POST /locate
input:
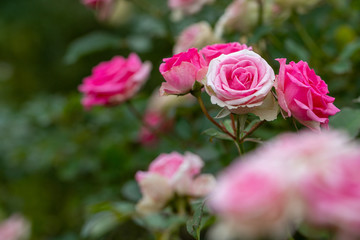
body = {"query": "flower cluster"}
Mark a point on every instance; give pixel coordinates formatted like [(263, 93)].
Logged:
[(240, 80), (306, 177)]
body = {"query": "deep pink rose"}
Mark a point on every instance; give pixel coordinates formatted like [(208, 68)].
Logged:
[(181, 71), (115, 81), (333, 195), (241, 82), (303, 94), (213, 51)]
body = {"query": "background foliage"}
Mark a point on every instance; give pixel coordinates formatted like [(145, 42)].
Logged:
[(59, 163)]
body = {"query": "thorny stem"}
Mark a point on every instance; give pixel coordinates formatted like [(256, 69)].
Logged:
[(202, 106)]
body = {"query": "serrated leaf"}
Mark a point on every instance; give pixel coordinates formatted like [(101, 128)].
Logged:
[(213, 133), (90, 43), (223, 113), (347, 119)]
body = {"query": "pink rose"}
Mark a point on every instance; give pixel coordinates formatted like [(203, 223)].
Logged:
[(196, 35), (14, 228), (115, 81), (213, 51), (181, 71), (252, 199), (333, 195), (241, 82), (177, 174), (303, 95), (158, 122)]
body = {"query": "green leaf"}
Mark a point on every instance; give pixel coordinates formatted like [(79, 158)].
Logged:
[(228, 125), (347, 119), (223, 113), (213, 133), (90, 43), (99, 224), (297, 49)]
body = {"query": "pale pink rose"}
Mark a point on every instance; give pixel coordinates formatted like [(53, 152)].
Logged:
[(187, 7), (115, 81), (181, 71), (14, 228), (176, 173), (303, 94), (196, 35), (333, 195), (241, 82), (213, 51), (253, 199)]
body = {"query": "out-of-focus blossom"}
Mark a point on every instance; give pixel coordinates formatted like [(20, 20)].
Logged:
[(157, 116), (241, 82), (169, 174), (213, 51), (181, 71), (102, 7), (333, 195), (14, 228), (121, 12), (196, 35), (309, 176), (303, 94), (186, 7), (115, 81)]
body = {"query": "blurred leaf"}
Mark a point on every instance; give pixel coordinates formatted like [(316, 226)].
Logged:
[(90, 43), (349, 50), (99, 224), (131, 191), (347, 119), (259, 33), (341, 67), (160, 222), (296, 49), (213, 133), (139, 43)]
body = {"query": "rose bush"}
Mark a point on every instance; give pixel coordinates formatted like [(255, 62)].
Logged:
[(181, 71), (241, 82), (303, 94), (115, 81)]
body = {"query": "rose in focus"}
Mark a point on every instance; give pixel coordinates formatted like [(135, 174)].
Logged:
[(181, 71), (115, 81), (303, 94), (241, 82), (169, 174)]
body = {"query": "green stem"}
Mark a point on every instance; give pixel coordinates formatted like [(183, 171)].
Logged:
[(203, 108), (253, 129), (261, 12)]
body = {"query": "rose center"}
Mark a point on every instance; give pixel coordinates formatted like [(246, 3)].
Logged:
[(240, 79)]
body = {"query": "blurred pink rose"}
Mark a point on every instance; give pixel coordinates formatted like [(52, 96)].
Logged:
[(103, 7), (115, 81), (181, 71), (179, 174), (253, 199), (333, 195), (158, 123), (213, 51), (241, 81), (187, 7), (196, 35), (158, 116), (303, 95), (14, 228)]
